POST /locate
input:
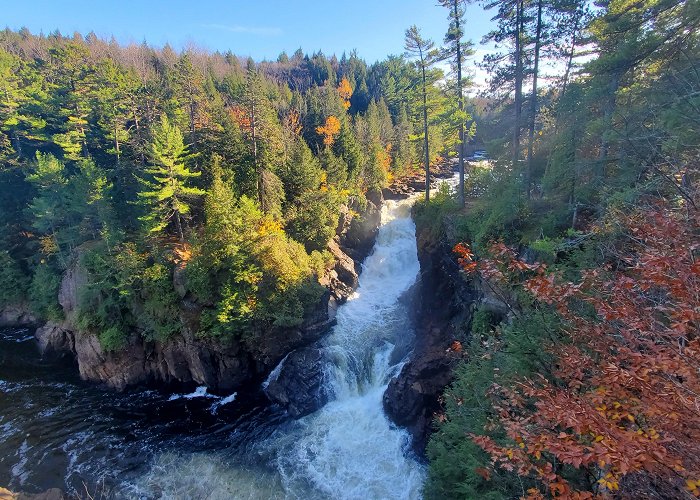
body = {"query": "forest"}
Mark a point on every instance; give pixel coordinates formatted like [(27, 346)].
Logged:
[(170, 173), (140, 161)]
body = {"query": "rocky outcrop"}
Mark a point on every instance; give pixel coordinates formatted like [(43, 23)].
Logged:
[(298, 385), (356, 234), (412, 398), (17, 315), (184, 359), (443, 308), (406, 186), (189, 360)]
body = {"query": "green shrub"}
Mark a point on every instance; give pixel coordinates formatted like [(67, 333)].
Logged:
[(160, 303), (13, 282), (313, 220), (113, 339), (43, 292)]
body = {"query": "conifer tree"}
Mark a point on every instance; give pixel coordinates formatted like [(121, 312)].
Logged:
[(417, 46), (167, 192), (456, 50)]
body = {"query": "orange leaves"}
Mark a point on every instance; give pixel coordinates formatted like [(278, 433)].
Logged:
[(241, 117), (483, 472), (329, 130), (345, 92), (455, 346), (466, 257), (624, 395)]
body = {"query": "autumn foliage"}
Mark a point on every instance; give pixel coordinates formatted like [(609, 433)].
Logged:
[(621, 408), (345, 91), (329, 130)]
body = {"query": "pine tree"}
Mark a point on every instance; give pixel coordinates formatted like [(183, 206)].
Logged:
[(417, 46), (457, 50), (167, 193)]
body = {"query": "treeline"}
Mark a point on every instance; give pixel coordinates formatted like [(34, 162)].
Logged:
[(226, 175), (583, 383)]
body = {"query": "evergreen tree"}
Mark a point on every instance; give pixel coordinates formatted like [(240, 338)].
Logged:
[(417, 46), (457, 50), (167, 191)]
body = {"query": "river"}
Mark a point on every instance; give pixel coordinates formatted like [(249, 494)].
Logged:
[(57, 431)]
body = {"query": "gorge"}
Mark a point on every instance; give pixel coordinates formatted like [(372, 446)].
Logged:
[(233, 444)]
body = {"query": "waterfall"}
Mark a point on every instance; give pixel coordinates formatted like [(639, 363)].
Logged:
[(348, 448)]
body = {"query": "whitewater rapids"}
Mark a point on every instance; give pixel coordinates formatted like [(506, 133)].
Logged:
[(348, 449)]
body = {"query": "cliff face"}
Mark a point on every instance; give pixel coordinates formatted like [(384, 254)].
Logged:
[(186, 359), (445, 302)]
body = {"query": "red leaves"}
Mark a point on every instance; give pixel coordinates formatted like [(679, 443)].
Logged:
[(627, 395), (466, 257)]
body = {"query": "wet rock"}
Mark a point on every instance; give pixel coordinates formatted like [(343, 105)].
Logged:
[(343, 278), (443, 303), (299, 386), (411, 399), (357, 239), (55, 339)]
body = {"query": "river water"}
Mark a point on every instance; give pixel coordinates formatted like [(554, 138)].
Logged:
[(56, 431)]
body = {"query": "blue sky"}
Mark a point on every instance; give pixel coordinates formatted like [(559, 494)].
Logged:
[(258, 28)]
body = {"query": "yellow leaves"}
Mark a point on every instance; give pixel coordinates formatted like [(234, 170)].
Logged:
[(269, 226), (293, 122), (693, 486), (598, 439), (329, 130), (611, 485), (48, 245), (345, 91)]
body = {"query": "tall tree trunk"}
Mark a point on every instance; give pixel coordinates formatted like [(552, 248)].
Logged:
[(518, 83), (178, 223), (460, 104), (425, 133), (607, 117), (533, 98), (570, 58)]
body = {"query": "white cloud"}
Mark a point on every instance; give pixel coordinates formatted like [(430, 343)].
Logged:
[(249, 30)]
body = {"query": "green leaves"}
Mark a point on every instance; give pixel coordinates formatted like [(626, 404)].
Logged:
[(168, 192)]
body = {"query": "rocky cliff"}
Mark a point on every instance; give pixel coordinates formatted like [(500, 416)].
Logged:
[(444, 303), (188, 360)]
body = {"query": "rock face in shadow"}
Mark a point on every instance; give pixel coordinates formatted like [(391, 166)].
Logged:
[(298, 385), (188, 360), (444, 304), (17, 315)]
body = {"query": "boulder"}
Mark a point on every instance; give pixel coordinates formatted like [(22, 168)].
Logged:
[(299, 383), (411, 399)]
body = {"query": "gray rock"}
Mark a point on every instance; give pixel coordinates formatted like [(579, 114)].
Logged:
[(300, 385), (17, 315)]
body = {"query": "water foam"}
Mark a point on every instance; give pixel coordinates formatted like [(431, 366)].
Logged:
[(348, 448)]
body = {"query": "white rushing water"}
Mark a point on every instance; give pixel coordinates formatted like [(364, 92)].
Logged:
[(348, 448)]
